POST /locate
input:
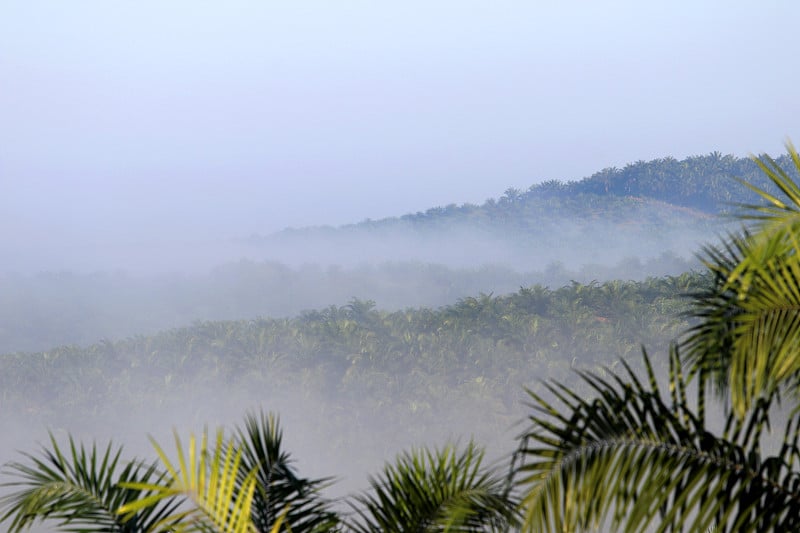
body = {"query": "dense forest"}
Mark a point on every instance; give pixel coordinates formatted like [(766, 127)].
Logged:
[(661, 188), (370, 365)]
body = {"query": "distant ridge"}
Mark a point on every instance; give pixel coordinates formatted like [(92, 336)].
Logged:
[(642, 210), (695, 187)]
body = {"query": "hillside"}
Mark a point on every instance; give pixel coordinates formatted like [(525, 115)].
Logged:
[(642, 210), (346, 377), (647, 219)]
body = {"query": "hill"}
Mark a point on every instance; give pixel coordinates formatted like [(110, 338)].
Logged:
[(354, 383), (647, 219)]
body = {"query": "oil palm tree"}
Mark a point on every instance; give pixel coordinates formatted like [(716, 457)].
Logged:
[(441, 490), (224, 485), (280, 493), (636, 456), (206, 482), (80, 489)]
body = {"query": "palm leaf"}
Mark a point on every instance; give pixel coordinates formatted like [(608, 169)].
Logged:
[(443, 490), (632, 460), (208, 481), (748, 332), (279, 492), (80, 490)]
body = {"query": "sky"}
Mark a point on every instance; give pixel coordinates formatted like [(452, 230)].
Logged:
[(124, 122)]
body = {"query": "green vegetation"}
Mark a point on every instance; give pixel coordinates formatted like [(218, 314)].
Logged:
[(40, 311), (359, 373), (647, 457), (380, 364), (616, 447)]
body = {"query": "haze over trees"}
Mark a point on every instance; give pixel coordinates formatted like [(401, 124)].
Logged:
[(646, 219), (610, 445)]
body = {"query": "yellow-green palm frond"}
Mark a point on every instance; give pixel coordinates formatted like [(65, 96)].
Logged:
[(747, 337), (206, 478)]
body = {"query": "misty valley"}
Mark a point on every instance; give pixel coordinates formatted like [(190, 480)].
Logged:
[(468, 368)]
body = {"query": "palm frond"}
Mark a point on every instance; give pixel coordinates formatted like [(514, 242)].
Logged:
[(748, 330), (208, 481), (279, 490), (443, 490), (635, 460), (80, 490)]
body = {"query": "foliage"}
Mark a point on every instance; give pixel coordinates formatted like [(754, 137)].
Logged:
[(228, 486), (44, 310), (279, 492), (614, 450), (651, 462), (245, 484), (367, 370), (81, 491), (216, 497), (748, 332), (442, 490)]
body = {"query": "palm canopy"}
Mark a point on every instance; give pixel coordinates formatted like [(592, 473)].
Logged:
[(80, 489), (441, 490), (638, 459), (748, 329), (239, 484)]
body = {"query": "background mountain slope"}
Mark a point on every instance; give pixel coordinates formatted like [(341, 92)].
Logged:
[(646, 219)]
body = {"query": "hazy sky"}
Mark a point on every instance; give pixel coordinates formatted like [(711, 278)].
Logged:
[(120, 120)]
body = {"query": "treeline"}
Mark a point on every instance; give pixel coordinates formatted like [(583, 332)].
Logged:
[(653, 191), (363, 370), (643, 209), (699, 182), (40, 311)]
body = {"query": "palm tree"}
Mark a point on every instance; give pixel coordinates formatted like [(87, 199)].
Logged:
[(636, 456), (443, 490), (80, 489), (280, 493), (213, 497), (230, 485)]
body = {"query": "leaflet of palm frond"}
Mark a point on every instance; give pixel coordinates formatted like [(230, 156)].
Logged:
[(80, 489), (634, 460)]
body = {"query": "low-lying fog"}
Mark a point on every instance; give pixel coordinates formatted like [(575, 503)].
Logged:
[(111, 293)]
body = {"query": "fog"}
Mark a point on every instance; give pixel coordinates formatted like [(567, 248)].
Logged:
[(167, 164)]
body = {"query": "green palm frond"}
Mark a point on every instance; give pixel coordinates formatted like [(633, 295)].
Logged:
[(443, 490), (216, 499), (777, 213), (748, 334), (634, 459), (80, 490), (279, 490)]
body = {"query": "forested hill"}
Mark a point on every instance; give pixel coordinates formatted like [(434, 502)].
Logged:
[(641, 210), (704, 184), (368, 380)]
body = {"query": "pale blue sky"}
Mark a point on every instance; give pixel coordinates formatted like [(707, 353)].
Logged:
[(124, 120)]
